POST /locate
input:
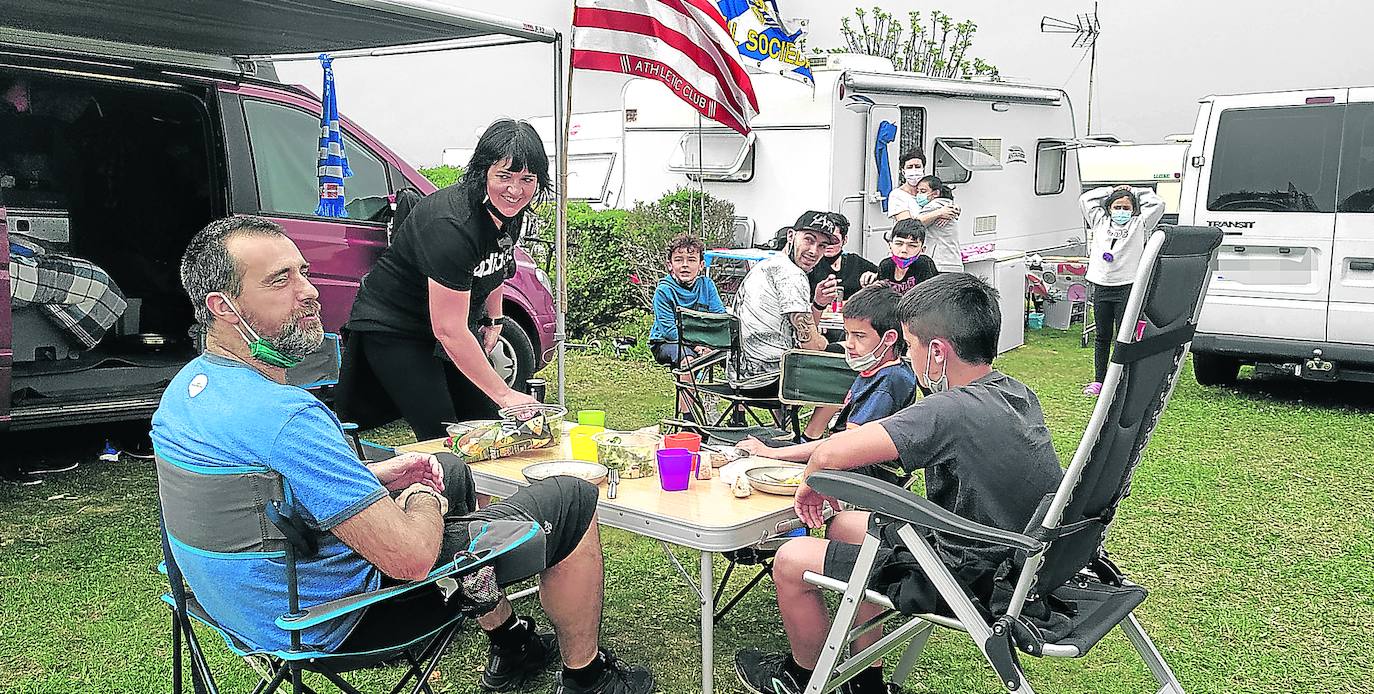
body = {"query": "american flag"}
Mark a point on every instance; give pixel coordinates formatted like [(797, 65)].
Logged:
[(684, 44)]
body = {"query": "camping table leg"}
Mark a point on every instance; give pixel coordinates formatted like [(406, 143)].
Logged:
[(708, 622)]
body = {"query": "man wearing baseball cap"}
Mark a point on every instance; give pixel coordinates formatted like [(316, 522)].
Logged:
[(777, 308)]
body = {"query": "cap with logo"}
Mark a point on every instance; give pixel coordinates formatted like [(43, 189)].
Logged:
[(821, 223)]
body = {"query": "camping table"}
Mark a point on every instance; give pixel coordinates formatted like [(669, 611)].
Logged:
[(706, 517)]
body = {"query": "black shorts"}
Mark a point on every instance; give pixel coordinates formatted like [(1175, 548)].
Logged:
[(564, 508), (897, 575)]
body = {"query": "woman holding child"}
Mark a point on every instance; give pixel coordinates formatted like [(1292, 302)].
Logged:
[(430, 311), (930, 201)]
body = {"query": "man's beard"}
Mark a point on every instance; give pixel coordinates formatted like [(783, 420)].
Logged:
[(294, 341)]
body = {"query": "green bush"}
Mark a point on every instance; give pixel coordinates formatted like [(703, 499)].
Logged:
[(649, 227), (442, 176), (615, 257), (599, 289)]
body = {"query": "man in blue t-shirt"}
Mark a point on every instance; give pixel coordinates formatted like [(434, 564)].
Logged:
[(230, 412), (873, 347)]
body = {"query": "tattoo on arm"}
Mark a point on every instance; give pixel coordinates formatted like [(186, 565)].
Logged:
[(805, 326)]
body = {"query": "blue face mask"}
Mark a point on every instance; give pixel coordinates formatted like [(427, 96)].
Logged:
[(922, 199), (1120, 217)]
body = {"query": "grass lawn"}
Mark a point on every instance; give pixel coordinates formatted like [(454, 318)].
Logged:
[(1250, 523)]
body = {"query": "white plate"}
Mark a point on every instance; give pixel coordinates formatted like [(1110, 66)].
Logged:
[(592, 472)]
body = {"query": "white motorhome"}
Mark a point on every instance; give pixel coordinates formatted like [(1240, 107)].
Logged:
[(1290, 177), (1006, 148), (1156, 166)]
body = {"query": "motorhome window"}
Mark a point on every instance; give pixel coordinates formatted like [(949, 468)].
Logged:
[(957, 158), (714, 156), (1356, 187), (913, 132), (589, 175), (286, 144), (1276, 159), (1049, 166)]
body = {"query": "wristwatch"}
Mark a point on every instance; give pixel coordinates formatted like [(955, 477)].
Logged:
[(490, 321)]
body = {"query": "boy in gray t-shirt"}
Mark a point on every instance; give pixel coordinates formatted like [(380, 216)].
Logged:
[(981, 439)]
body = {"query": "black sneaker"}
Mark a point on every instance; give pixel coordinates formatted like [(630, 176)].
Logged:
[(618, 678), (511, 669), (766, 673)]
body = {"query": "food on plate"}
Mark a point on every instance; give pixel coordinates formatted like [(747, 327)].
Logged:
[(591, 472), (517, 432)]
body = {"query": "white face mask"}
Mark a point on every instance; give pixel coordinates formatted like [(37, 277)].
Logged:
[(913, 176), (938, 385), (866, 362)]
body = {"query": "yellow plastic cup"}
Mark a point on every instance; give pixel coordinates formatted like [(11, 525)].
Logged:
[(583, 446)]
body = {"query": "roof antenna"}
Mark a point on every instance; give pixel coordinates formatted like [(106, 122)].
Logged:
[(1085, 29)]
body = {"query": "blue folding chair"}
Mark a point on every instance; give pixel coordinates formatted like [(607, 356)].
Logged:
[(214, 513)]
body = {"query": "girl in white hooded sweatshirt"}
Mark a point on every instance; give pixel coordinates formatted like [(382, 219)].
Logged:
[(1121, 219)]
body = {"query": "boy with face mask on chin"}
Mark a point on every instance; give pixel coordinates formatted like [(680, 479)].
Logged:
[(873, 347)]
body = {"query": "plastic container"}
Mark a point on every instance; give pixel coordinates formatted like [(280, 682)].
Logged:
[(1035, 321), (582, 443), (685, 440), (675, 469), (630, 452)]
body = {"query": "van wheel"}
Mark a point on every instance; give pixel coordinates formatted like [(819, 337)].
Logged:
[(514, 355), (1215, 370)]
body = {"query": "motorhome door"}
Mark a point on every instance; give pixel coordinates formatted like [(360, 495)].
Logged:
[(882, 146), (1268, 176), (1351, 314)]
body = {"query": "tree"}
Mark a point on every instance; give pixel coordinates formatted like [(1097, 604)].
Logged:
[(938, 48)]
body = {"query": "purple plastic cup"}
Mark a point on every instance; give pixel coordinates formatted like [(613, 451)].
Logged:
[(675, 469)]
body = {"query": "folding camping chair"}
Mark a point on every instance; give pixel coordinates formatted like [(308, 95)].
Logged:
[(205, 512), (1063, 573), (807, 379), (815, 379), (707, 376)]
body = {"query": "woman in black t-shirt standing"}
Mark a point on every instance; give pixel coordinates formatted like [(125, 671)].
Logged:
[(441, 281)]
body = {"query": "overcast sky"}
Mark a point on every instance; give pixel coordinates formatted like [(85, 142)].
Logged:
[(1154, 61)]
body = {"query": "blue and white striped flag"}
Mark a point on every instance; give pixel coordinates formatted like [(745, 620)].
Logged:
[(333, 165), (763, 41)]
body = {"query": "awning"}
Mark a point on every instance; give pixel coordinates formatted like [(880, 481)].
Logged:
[(225, 34)]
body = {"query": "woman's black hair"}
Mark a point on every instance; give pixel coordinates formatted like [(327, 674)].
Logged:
[(938, 187), (1117, 195), (909, 155), (506, 139)]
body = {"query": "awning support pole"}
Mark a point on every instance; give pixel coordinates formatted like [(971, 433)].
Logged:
[(562, 107)]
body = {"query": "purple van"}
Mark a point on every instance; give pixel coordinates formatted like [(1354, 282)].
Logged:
[(117, 164)]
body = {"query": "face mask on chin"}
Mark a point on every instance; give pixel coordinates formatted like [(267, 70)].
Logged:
[(288, 350), (867, 361), (505, 221), (938, 385), (904, 263)]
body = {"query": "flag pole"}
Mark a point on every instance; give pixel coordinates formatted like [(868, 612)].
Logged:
[(562, 112)]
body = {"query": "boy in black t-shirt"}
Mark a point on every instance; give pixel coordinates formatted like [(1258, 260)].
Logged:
[(848, 268), (908, 265), (980, 438)]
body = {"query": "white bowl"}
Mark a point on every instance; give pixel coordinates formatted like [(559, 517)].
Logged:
[(592, 472)]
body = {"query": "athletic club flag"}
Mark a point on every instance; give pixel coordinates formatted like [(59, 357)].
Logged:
[(684, 44)]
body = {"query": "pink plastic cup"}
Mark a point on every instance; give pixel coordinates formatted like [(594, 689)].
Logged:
[(675, 469)]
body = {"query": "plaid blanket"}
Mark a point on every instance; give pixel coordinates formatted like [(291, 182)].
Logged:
[(75, 294)]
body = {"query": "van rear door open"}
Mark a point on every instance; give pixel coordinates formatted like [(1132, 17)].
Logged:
[(1351, 315), (1271, 162)]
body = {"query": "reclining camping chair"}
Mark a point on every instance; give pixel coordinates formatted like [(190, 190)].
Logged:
[(218, 512), (807, 379), (317, 373), (706, 377), (1061, 595)]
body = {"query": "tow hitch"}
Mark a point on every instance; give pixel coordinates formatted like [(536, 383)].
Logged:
[(1316, 368)]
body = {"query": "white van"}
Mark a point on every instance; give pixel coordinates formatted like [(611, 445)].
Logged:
[(1290, 177)]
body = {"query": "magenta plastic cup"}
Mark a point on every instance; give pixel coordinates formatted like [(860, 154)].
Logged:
[(675, 469)]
